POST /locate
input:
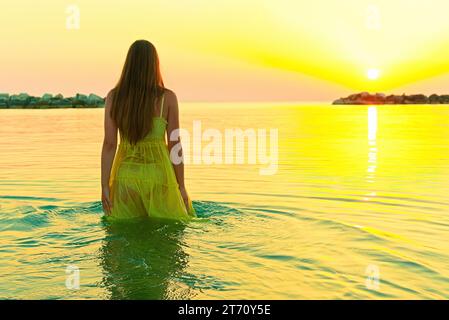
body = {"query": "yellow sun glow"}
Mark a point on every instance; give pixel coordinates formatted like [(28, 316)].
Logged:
[(373, 74)]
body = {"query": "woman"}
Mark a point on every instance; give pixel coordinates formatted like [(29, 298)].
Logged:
[(141, 181)]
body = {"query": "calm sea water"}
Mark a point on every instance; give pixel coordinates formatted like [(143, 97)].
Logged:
[(358, 208)]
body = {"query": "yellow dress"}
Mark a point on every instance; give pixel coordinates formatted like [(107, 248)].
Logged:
[(143, 182)]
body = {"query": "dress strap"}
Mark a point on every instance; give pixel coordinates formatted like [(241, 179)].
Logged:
[(162, 104)]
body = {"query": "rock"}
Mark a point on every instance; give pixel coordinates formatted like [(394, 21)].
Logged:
[(21, 99), (60, 102), (66, 102), (416, 99), (4, 100), (444, 99), (364, 95), (434, 99), (44, 100), (394, 99), (339, 101), (79, 100), (33, 101), (94, 100)]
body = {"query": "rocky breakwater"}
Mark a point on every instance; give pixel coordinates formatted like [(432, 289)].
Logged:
[(365, 98), (25, 101)]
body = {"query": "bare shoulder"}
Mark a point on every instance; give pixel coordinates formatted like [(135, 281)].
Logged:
[(171, 102), (170, 97), (110, 95)]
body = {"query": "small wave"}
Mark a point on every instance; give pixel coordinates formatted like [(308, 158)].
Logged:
[(30, 198), (21, 215), (207, 209)]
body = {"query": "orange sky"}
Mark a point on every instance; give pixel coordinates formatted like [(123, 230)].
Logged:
[(229, 50)]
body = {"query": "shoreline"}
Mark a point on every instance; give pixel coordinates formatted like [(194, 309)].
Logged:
[(48, 100), (51, 107), (365, 98)]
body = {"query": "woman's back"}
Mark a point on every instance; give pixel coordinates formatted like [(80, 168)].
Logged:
[(143, 182), (158, 128), (138, 179)]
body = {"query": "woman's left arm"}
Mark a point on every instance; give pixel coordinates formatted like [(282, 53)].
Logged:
[(107, 154)]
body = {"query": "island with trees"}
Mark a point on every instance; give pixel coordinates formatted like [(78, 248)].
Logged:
[(365, 98), (25, 101)]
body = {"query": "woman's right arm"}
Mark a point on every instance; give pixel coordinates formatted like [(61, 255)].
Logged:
[(108, 153), (174, 143)]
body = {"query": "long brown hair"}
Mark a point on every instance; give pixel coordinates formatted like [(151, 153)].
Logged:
[(135, 95)]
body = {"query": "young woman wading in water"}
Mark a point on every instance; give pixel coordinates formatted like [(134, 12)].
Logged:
[(139, 179)]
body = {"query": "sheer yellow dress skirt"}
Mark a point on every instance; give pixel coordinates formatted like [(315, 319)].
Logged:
[(143, 182)]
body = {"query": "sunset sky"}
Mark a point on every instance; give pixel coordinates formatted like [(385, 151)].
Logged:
[(230, 50)]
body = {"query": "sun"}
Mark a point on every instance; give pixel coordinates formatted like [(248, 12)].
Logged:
[(373, 74)]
